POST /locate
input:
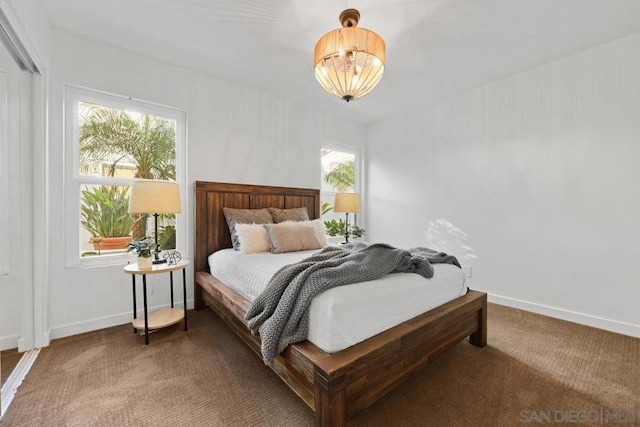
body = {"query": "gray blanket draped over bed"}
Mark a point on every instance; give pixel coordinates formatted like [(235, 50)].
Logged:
[(280, 314)]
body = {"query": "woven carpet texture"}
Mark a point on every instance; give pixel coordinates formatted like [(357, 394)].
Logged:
[(534, 371)]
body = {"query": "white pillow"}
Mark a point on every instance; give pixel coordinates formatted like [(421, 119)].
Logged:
[(253, 238), (317, 225)]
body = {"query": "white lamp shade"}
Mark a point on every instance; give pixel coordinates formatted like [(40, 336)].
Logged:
[(151, 196), (347, 202)]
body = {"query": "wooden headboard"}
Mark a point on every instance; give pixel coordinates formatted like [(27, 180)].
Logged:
[(211, 229)]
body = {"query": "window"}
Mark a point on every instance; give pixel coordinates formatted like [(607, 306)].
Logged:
[(341, 173), (110, 141)]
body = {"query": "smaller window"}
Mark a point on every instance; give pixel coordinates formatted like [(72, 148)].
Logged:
[(340, 173)]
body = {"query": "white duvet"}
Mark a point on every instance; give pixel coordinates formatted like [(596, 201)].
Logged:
[(345, 315)]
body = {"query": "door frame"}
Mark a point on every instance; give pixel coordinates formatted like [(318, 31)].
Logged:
[(34, 155)]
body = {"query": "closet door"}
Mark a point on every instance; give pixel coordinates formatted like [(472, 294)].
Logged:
[(15, 226)]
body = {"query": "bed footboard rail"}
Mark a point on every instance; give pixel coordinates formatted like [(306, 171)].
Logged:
[(351, 380), (337, 386)]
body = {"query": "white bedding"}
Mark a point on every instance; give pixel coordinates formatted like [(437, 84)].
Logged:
[(345, 315)]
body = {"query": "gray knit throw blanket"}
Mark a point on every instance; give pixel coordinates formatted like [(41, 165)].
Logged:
[(280, 314)]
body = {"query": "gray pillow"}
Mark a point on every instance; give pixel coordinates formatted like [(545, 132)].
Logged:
[(244, 216), (295, 214)]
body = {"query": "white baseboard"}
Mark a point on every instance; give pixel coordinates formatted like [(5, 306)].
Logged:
[(571, 316), (7, 343), (102, 322), (45, 340)]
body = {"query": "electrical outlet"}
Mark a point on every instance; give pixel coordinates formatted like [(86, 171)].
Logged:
[(467, 270)]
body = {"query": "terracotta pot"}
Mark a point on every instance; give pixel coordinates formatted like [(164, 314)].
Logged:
[(109, 243)]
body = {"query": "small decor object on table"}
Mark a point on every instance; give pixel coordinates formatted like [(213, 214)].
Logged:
[(143, 249), (172, 257)]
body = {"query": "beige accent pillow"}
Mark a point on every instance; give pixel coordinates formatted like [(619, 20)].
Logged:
[(294, 214), (253, 238), (317, 225), (287, 238)]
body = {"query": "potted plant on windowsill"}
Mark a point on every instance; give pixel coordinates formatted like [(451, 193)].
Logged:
[(143, 249), (105, 214)]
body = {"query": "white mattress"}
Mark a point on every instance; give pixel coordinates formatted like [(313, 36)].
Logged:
[(345, 315)]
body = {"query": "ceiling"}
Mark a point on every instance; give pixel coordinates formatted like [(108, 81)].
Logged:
[(435, 48)]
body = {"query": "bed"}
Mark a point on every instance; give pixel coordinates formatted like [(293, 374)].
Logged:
[(335, 386)]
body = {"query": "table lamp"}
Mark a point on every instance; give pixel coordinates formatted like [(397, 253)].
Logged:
[(154, 197), (347, 203)]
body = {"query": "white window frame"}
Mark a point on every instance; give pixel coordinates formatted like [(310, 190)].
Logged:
[(74, 180), (359, 184)]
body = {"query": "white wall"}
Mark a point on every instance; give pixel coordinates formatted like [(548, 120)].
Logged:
[(541, 171), (234, 135)]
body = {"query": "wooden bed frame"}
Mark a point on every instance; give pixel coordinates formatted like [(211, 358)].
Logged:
[(337, 385)]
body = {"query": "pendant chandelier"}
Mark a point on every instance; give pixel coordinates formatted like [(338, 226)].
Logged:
[(349, 61)]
